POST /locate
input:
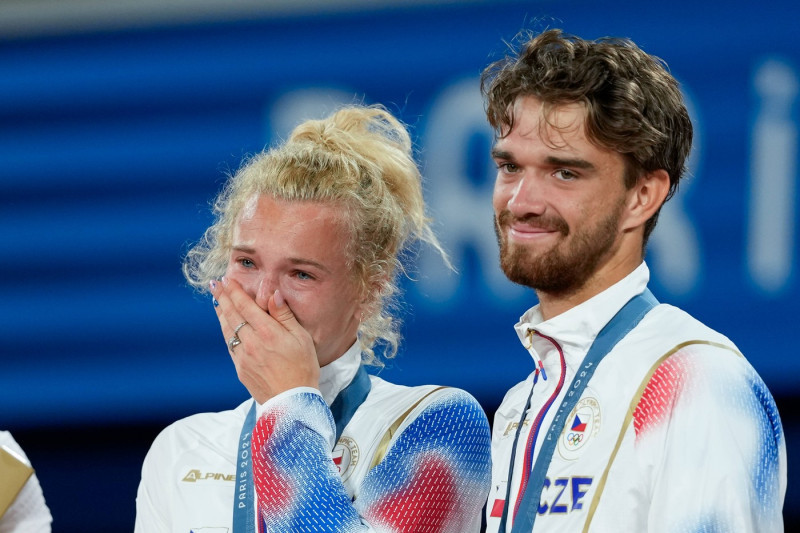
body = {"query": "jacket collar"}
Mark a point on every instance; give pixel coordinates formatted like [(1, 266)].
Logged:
[(338, 374), (575, 329)]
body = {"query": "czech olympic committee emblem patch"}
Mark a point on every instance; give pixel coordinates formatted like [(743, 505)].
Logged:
[(583, 423), (345, 456)]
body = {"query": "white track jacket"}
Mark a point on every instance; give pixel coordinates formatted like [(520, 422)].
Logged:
[(411, 459), (675, 432)]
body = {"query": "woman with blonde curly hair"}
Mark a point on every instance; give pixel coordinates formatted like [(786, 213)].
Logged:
[(302, 262)]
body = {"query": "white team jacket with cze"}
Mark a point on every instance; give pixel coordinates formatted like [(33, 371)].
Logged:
[(675, 431)]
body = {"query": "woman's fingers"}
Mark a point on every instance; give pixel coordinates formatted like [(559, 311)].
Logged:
[(227, 313), (271, 350)]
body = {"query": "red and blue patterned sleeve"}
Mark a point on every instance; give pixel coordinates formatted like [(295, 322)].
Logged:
[(433, 479), (713, 424)]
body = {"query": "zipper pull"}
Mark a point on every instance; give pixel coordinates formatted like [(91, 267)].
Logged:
[(529, 335)]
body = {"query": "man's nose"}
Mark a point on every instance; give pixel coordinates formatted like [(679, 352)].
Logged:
[(527, 197)]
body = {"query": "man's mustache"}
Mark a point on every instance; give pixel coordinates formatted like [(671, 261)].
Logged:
[(550, 223)]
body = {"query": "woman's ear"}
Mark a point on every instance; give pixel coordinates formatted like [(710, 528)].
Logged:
[(371, 296)]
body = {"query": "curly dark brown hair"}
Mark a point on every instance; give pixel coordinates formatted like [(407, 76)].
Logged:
[(633, 104)]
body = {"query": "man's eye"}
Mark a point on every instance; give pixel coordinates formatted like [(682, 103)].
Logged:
[(508, 167), (566, 175)]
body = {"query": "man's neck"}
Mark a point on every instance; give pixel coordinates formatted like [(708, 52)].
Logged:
[(553, 304)]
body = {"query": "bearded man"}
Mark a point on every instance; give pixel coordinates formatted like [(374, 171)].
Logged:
[(637, 417)]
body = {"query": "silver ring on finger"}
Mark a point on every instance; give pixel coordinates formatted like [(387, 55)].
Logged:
[(236, 330), (233, 342)]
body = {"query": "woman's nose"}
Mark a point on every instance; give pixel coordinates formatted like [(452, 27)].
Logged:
[(265, 288)]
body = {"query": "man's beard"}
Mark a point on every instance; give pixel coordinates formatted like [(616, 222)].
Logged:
[(568, 265)]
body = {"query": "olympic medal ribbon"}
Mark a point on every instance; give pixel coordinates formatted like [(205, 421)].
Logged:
[(614, 331)]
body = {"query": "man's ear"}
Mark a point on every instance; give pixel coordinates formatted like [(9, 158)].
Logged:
[(646, 197)]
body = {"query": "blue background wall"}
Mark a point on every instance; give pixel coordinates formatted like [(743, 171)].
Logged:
[(113, 142)]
